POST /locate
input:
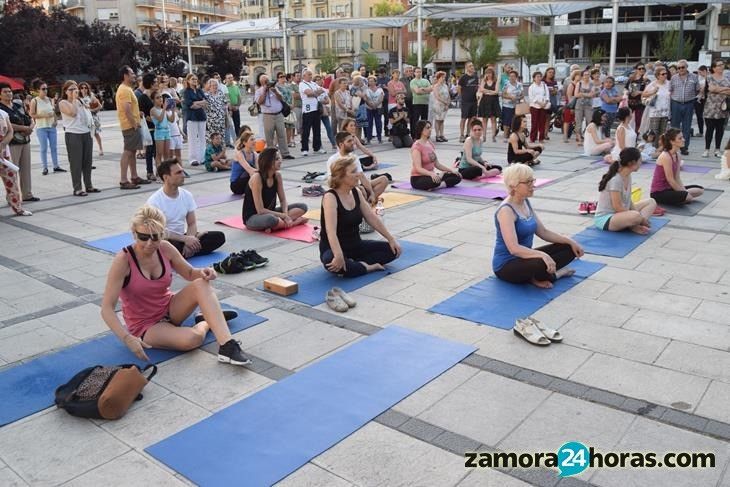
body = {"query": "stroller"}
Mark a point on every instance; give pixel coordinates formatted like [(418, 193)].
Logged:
[(557, 122)]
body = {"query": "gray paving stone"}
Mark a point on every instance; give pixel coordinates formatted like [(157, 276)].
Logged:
[(457, 444), (613, 341), (657, 301), (567, 387), (311, 475), (603, 397), (126, 470), (712, 311), (386, 457), (8, 478), (714, 402), (696, 360), (535, 378), (392, 418), (29, 344), (70, 447), (536, 476), (688, 271), (501, 403), (710, 334), (643, 279), (566, 307), (487, 477), (372, 310), (684, 420), (681, 288), (436, 390), (420, 429), (636, 406), (640, 381), (718, 429)]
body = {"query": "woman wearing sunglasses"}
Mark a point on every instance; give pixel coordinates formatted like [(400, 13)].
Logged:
[(88, 97), (141, 275)]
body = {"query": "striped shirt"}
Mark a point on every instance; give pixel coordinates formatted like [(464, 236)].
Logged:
[(684, 89)]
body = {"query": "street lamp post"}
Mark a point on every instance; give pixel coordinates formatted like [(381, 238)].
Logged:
[(419, 47), (282, 6), (164, 17), (190, 51), (680, 44)]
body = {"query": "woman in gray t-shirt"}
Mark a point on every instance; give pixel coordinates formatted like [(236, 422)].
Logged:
[(616, 211)]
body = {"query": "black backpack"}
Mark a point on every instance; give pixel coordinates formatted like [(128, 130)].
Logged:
[(103, 392)]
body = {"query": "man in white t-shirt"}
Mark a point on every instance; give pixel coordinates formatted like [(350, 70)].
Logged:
[(311, 118), (371, 189), (178, 206)]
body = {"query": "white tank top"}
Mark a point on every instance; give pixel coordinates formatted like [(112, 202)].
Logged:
[(42, 108), (80, 124), (629, 141)]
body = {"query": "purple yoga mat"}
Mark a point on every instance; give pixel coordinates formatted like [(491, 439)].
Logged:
[(476, 192)]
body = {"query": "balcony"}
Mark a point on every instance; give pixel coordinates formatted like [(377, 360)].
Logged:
[(277, 53), (148, 21), (221, 11), (603, 26), (298, 53), (252, 3), (146, 3), (74, 4)]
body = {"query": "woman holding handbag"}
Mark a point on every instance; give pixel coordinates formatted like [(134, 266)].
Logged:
[(77, 124), (657, 101), (539, 97)]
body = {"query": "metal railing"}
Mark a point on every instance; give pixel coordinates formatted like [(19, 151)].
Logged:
[(298, 53), (592, 20), (75, 3)]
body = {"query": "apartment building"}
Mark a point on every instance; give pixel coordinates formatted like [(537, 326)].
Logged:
[(307, 47), (142, 16)]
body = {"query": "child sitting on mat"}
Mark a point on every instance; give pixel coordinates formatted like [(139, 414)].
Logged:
[(425, 173), (616, 211), (517, 224), (341, 249), (259, 204), (215, 155), (471, 164)]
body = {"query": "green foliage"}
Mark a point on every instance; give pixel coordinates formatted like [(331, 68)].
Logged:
[(668, 48), (598, 54), (483, 51), (533, 48), (427, 53), (164, 52), (386, 8), (224, 60), (113, 46), (465, 28), (370, 61), (329, 62)]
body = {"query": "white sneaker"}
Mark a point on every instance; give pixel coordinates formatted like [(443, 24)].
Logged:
[(724, 174), (718, 153), (305, 153), (706, 153), (321, 151)]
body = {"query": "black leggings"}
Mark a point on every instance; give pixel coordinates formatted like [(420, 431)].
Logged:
[(473, 172), (525, 158), (671, 197), (239, 185), (716, 126), (699, 110), (518, 271), (209, 242), (369, 251), (425, 183), (400, 141)]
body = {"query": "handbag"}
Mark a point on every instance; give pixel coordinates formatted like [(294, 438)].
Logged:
[(285, 108), (146, 135), (254, 109), (571, 104), (522, 109)]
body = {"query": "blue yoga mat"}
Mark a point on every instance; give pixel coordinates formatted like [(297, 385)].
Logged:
[(381, 165), (314, 283), (499, 303), (615, 244), (115, 243), (265, 437), (28, 388)]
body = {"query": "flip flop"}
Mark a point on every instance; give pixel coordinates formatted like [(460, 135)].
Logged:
[(529, 332), (80, 193), (550, 334)]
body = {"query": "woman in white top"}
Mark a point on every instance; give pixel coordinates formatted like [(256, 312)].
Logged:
[(86, 96), (42, 111), (438, 104), (657, 101), (625, 134), (343, 101), (539, 97), (77, 123), (374, 100), (595, 144)]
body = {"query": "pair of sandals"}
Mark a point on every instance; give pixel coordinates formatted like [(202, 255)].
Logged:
[(339, 300), (536, 332), (86, 193)]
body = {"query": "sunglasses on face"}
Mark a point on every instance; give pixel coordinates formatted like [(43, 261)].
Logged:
[(144, 237), (43, 88)]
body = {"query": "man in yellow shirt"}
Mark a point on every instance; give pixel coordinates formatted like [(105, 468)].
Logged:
[(129, 121)]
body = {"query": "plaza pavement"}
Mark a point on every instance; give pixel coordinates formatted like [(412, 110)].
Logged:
[(645, 365)]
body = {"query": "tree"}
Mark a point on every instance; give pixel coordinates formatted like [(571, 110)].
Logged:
[(597, 54), (164, 52), (328, 62), (483, 51), (533, 48), (465, 28), (370, 61), (113, 47), (224, 59), (427, 53), (386, 8), (668, 46)]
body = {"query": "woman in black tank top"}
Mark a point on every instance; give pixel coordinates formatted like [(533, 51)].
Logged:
[(260, 212), (341, 249)]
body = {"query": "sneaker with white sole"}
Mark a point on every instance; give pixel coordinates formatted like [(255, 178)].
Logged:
[(706, 153), (305, 153), (321, 151), (230, 353), (718, 153), (724, 174), (583, 208)]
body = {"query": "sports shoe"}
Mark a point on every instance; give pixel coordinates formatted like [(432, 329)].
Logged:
[(718, 153), (724, 174), (194, 163), (288, 156), (254, 257), (583, 208), (230, 353), (45, 172), (234, 264), (228, 315), (321, 151), (592, 205), (305, 153), (706, 153), (58, 169), (314, 190)]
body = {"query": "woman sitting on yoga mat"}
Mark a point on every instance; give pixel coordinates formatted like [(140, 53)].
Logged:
[(518, 149), (616, 211), (594, 143), (514, 258), (471, 164), (666, 184), (368, 162), (341, 249), (259, 204), (245, 164), (424, 174), (141, 275)]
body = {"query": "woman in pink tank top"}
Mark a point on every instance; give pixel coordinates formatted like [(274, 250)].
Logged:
[(667, 187), (141, 275)]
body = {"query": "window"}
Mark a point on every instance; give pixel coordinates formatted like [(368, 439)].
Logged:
[(108, 13), (371, 42), (298, 13), (320, 13), (321, 42)]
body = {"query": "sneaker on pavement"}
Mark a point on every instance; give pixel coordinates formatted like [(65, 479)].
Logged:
[(305, 153), (706, 153), (228, 314), (724, 174), (718, 153), (592, 205), (254, 257), (321, 151), (230, 353), (583, 208)]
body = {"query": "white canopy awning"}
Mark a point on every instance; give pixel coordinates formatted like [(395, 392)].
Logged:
[(482, 10)]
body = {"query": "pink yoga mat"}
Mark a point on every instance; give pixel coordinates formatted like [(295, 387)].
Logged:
[(301, 233), (500, 180), (476, 192)]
